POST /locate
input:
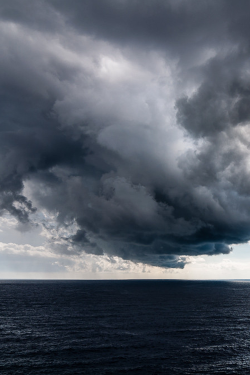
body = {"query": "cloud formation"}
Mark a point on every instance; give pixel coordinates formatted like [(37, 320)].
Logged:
[(128, 123)]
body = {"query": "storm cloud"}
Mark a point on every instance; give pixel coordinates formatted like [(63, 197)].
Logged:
[(127, 122)]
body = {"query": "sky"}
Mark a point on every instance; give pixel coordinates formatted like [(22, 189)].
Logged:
[(124, 139)]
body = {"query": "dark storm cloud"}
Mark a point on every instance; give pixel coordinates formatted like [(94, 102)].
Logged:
[(222, 100), (155, 23), (130, 121)]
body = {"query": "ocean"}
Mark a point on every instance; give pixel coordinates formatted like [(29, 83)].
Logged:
[(124, 327)]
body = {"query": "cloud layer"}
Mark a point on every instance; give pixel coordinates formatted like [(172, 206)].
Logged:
[(128, 124)]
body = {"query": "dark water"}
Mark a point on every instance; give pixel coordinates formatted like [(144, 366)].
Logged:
[(124, 327)]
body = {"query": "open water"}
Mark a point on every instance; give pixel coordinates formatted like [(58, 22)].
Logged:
[(124, 327)]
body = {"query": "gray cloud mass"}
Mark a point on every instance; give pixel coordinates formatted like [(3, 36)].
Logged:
[(128, 120)]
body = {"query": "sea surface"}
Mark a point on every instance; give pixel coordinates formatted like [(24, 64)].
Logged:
[(124, 327)]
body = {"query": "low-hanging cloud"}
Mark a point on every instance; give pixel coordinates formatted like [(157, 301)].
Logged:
[(128, 122)]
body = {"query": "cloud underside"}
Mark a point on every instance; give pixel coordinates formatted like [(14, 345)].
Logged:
[(128, 123)]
